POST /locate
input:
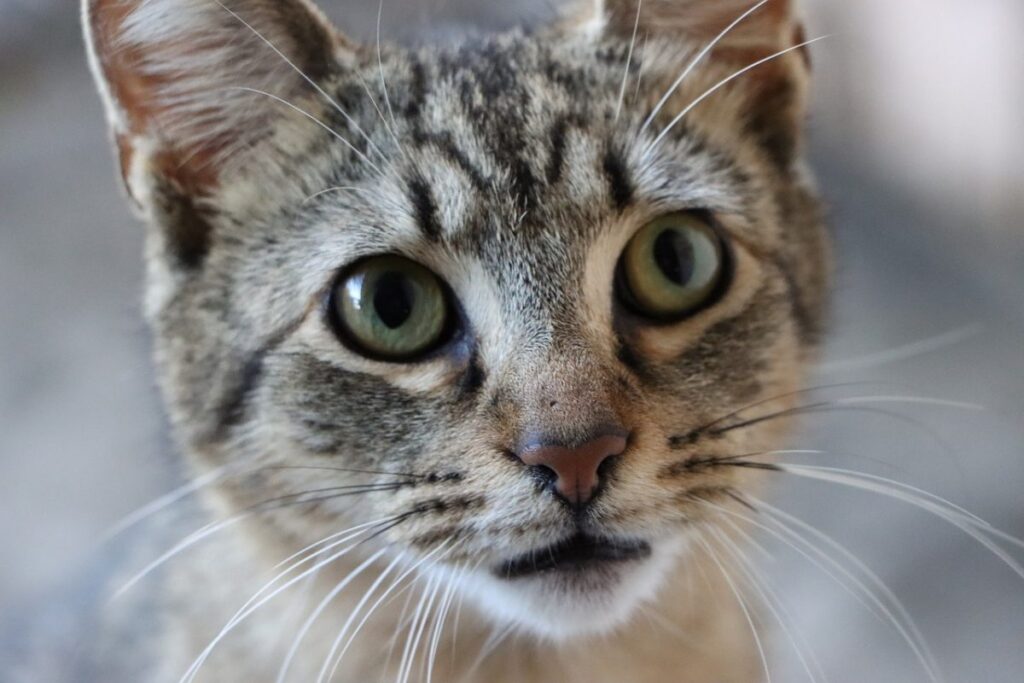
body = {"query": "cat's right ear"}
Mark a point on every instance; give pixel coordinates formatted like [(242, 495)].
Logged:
[(191, 87)]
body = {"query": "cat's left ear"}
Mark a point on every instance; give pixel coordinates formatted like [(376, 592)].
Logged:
[(777, 89)]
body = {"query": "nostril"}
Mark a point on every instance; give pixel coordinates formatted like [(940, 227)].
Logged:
[(609, 464), (575, 470), (543, 475)]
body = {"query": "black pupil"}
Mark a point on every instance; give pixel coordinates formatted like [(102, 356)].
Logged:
[(393, 299), (673, 253)]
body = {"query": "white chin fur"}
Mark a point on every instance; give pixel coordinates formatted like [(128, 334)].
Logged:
[(561, 606)]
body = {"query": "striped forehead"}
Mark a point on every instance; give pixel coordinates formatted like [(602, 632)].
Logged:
[(498, 144)]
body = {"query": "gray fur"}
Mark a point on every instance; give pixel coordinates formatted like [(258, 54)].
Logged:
[(506, 171)]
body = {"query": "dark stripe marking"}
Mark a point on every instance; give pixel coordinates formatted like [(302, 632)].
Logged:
[(426, 209), (619, 183), (556, 162), (445, 143)]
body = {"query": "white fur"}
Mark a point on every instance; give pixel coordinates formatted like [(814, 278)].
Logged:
[(535, 605)]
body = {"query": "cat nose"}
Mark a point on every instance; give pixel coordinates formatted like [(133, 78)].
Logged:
[(576, 468)]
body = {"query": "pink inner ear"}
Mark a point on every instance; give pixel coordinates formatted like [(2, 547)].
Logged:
[(137, 95), (182, 77)]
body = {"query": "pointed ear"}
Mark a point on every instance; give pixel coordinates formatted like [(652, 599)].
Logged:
[(752, 30), (178, 79)]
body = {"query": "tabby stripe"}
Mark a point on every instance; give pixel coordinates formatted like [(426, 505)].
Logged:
[(556, 163), (445, 143), (426, 209), (619, 182)]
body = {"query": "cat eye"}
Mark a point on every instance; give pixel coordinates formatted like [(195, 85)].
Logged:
[(390, 308), (674, 267)]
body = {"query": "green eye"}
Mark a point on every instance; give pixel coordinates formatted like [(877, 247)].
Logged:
[(672, 268), (391, 308)]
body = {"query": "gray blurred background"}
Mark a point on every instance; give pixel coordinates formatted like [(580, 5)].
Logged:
[(918, 135)]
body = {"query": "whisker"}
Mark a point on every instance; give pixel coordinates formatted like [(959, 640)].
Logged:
[(341, 138), (458, 610), (695, 61), (742, 603), (904, 625), (243, 614), (331, 190), (380, 114), (315, 120), (965, 523), (777, 397), (782, 518), (163, 502), (312, 618), (428, 615), (725, 81), (744, 565), (629, 60), (323, 606), (827, 407), (442, 615), (380, 67), (217, 474), (493, 642), (912, 400), (270, 505), (310, 81), (352, 470), (408, 653), (429, 557), (904, 351), (187, 542)]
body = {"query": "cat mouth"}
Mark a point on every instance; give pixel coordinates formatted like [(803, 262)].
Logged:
[(577, 553)]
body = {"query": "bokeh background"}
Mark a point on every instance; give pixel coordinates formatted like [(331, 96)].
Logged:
[(918, 136)]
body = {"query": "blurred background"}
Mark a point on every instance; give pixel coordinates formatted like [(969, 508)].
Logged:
[(918, 137)]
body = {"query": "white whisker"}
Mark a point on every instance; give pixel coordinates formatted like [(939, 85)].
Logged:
[(629, 60), (695, 61), (904, 352), (758, 585), (310, 81), (965, 523), (181, 546), (315, 120), (327, 541), (164, 502), (347, 188), (323, 675), (904, 625), (241, 615), (912, 400), (742, 603), (373, 608), (724, 82), (380, 68), (435, 639), (408, 652), (387, 124)]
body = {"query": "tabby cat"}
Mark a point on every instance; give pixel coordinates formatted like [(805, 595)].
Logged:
[(472, 351)]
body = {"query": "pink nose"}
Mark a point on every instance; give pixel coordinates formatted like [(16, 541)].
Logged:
[(576, 468)]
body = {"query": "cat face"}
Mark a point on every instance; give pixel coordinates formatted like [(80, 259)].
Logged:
[(495, 307)]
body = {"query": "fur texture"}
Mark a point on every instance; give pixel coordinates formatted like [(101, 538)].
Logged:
[(266, 154)]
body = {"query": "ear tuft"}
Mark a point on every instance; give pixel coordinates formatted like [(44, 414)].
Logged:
[(179, 77)]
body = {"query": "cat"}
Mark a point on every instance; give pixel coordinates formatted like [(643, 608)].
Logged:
[(472, 351)]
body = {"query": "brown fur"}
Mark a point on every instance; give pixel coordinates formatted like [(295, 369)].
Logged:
[(509, 168)]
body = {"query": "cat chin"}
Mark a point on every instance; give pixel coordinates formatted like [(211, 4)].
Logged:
[(564, 606)]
